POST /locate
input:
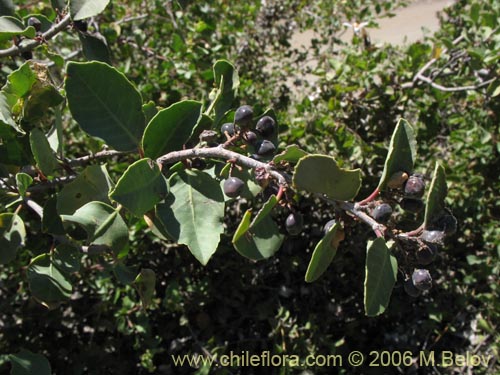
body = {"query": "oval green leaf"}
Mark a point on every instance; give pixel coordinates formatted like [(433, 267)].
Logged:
[(193, 212), (23, 181), (227, 82), (95, 47), (145, 284), (321, 174), (402, 152), (12, 236), (93, 184), (291, 154), (141, 187), (438, 190), (103, 224), (323, 254), (28, 363), (47, 283), (105, 104), (171, 128), (10, 26), (380, 277), (259, 239), (42, 152), (80, 9)]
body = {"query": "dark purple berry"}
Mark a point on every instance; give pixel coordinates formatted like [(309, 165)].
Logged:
[(412, 205), (422, 279), (426, 254), (433, 236), (415, 186), (410, 289), (233, 187), (81, 25), (35, 22), (228, 128), (243, 116), (294, 223), (27, 55), (265, 148), (250, 137), (328, 226), (266, 126), (382, 213)]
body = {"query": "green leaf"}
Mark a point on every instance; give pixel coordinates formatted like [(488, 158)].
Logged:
[(103, 224), (321, 174), (402, 152), (227, 82), (12, 236), (80, 9), (261, 238), (47, 283), (10, 26), (149, 110), (42, 152), (145, 283), (291, 154), (324, 253), (125, 275), (381, 274), (42, 96), (95, 47), (28, 363), (438, 190), (67, 258), (140, 187), (23, 181), (93, 184), (193, 212), (7, 8), (51, 221), (171, 128), (105, 104)]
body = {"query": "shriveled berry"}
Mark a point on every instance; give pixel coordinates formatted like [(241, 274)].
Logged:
[(228, 128), (397, 180), (265, 148), (250, 137), (382, 213), (412, 205), (81, 25), (410, 289), (415, 186), (328, 226), (294, 223), (447, 223), (35, 22), (422, 279), (243, 116), (426, 254), (233, 187), (266, 126), (433, 236)]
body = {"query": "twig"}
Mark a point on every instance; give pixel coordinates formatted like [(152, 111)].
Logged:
[(131, 19), (378, 228), (98, 155), (49, 34), (51, 184), (221, 153), (458, 88)]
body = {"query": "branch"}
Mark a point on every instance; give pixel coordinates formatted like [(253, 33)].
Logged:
[(378, 228), (98, 155), (49, 34), (221, 153), (51, 184)]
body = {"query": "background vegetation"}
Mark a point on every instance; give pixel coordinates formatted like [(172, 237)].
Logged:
[(338, 98)]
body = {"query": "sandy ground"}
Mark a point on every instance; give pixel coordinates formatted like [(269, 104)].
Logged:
[(408, 25)]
